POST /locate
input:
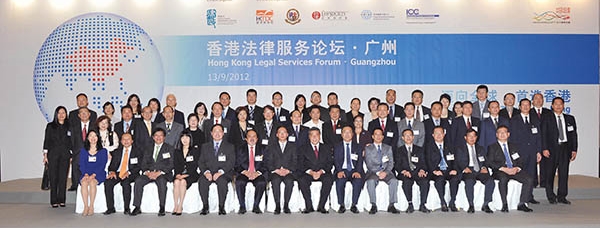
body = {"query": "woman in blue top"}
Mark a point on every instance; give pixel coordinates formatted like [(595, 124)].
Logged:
[(92, 163)]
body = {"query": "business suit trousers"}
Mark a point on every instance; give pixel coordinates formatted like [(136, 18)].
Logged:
[(530, 165), (109, 191), (558, 160), (544, 167), (522, 177), (340, 185), (58, 171), (75, 172), (260, 184), (392, 187), (221, 182), (407, 184), (305, 180), (440, 185), (143, 180), (276, 180), (486, 179)]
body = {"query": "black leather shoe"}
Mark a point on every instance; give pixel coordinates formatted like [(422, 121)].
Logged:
[(72, 189), (564, 201), (242, 211), (287, 210), (471, 210), (342, 209), (392, 209), (444, 208), (222, 211), (109, 211), (62, 205), (54, 205), (256, 210), (453, 208), (277, 210), (552, 201), (486, 209), (178, 214), (204, 211), (504, 208), (373, 209), (322, 210), (308, 210), (354, 209), (524, 208), (410, 208), (161, 213), (533, 201), (45, 188), (424, 209), (136, 211), (173, 213), (127, 211)]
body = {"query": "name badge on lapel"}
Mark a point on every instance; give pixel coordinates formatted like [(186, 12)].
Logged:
[(481, 158), (475, 128), (133, 161), (189, 158), (196, 146), (92, 159), (450, 157), (397, 119), (292, 138), (515, 156), (249, 128), (258, 158), (414, 159), (265, 142), (225, 130), (486, 115), (385, 159), (354, 156), (416, 132), (131, 131), (338, 131), (534, 130), (221, 158), (570, 128), (282, 119), (389, 134), (69, 133), (426, 117), (251, 122), (166, 155)]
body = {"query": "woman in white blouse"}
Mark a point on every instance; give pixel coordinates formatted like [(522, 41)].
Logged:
[(107, 136)]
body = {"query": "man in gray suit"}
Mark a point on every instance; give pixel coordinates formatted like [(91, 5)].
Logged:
[(379, 159), (172, 128), (409, 122), (480, 106)]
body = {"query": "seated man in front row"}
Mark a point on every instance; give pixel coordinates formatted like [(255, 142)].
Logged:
[(348, 162), (315, 160), (216, 163), (379, 159), (282, 161), (156, 167), (251, 167), (124, 168), (504, 159), (412, 166)]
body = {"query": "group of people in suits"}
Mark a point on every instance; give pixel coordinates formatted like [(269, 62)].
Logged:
[(258, 145)]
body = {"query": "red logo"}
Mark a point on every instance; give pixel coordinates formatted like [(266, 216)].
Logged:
[(316, 15)]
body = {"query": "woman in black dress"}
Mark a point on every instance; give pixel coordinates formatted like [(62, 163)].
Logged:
[(198, 135), (185, 163), (240, 128), (57, 144)]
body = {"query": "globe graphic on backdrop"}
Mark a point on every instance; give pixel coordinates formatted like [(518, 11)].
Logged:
[(105, 56)]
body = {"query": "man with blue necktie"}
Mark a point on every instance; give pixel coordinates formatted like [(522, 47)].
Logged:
[(348, 163)]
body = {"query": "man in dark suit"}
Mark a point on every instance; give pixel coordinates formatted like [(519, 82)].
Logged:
[(380, 160), (143, 137), (509, 110), (540, 113), (178, 115), (559, 146), (332, 130), (460, 125), (255, 112), (440, 157), (216, 165), (282, 115), (421, 112), (127, 124), (332, 99), (315, 99), (487, 128), (157, 166), (480, 110), (267, 128), (396, 112), (251, 167), (526, 135), (282, 161), (389, 127), (411, 166), (228, 112), (173, 128), (298, 133), (412, 123), (348, 163), (124, 168), (470, 160), (82, 102), (504, 158), (436, 120), (79, 131), (217, 110), (316, 160)]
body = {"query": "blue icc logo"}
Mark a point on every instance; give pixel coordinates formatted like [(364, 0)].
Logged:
[(211, 17), (103, 55)]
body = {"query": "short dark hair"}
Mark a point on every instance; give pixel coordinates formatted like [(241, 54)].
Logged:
[(159, 129), (216, 103), (224, 93), (241, 109), (269, 107), (334, 106), (482, 87), (313, 107), (408, 129), (437, 103), (126, 107), (471, 130), (217, 125), (317, 92), (314, 129), (509, 94), (491, 102), (416, 91), (503, 126), (251, 91), (332, 94), (81, 94), (447, 96), (523, 100), (409, 104), (558, 98), (276, 93), (191, 115), (467, 103)]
